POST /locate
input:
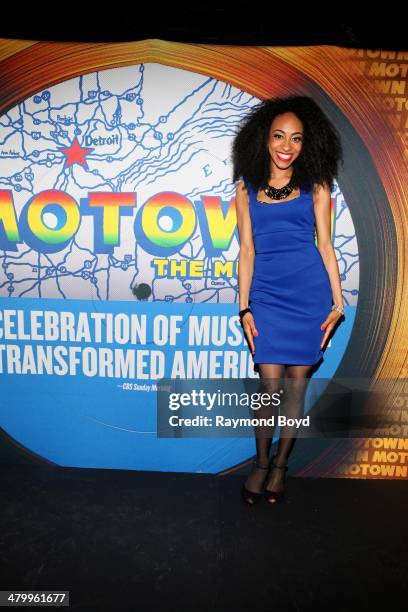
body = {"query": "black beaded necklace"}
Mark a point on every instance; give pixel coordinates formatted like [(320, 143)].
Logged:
[(279, 194)]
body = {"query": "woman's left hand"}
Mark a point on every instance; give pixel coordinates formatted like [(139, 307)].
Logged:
[(328, 325)]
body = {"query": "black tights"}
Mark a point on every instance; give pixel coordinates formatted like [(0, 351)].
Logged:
[(293, 379)]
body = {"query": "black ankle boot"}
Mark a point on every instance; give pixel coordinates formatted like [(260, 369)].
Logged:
[(251, 497), (276, 497)]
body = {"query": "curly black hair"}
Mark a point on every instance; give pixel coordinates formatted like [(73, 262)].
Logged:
[(321, 150)]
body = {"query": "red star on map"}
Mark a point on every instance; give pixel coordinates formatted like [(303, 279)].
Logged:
[(75, 154)]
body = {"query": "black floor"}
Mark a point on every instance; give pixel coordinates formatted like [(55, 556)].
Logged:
[(120, 540)]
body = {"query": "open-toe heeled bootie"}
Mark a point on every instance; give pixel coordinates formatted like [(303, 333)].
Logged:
[(276, 497), (251, 497)]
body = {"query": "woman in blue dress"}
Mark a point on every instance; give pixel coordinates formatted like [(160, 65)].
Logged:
[(287, 153)]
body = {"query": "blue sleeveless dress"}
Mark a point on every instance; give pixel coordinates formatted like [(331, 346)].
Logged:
[(290, 294)]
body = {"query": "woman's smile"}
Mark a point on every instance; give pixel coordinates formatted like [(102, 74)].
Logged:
[(284, 156)]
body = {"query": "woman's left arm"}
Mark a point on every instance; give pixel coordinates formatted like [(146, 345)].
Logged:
[(322, 197)]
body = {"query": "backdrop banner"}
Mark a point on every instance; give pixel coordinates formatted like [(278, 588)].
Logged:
[(119, 255)]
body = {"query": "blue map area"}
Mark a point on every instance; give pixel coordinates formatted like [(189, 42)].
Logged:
[(149, 129)]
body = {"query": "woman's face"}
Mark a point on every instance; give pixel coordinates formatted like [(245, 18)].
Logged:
[(285, 139)]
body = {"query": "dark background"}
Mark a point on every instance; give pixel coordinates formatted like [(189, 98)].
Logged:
[(247, 24)]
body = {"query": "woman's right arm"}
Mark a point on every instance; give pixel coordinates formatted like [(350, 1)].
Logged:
[(246, 258)]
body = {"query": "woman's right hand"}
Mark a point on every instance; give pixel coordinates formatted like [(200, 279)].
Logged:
[(248, 325)]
